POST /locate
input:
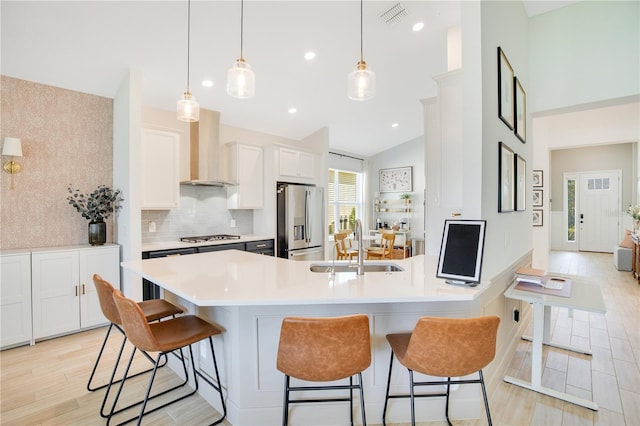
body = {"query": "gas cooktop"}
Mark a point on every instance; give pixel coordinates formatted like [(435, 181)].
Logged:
[(205, 238)]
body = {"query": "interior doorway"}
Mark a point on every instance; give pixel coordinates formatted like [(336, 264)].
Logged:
[(594, 199)]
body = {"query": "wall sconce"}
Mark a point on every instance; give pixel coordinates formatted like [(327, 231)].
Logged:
[(13, 148)]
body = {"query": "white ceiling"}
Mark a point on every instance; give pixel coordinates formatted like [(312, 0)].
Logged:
[(88, 46)]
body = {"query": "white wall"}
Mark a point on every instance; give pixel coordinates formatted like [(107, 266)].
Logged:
[(127, 105), (583, 53), (508, 237)]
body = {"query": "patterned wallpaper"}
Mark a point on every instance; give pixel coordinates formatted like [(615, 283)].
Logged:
[(67, 138)]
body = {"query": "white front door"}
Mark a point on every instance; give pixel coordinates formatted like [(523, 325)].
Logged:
[(599, 210)]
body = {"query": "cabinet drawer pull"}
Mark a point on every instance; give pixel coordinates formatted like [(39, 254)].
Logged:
[(76, 291), (261, 245), (84, 291), (174, 255)]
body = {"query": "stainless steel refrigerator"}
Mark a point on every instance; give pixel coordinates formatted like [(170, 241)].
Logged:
[(300, 222)]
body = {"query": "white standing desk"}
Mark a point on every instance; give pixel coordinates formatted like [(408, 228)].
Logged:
[(585, 296)]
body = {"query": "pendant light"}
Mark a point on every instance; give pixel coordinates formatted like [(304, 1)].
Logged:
[(241, 80), (361, 81), (188, 108)]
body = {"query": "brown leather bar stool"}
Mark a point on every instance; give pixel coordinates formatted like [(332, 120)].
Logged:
[(164, 337), (153, 310), (444, 347), (324, 350)]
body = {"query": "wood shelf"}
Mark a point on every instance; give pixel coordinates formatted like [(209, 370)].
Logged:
[(392, 206)]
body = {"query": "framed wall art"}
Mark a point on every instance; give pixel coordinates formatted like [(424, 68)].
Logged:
[(537, 217), (537, 198), (506, 178), (521, 184), (505, 90), (537, 178), (396, 180), (520, 99)]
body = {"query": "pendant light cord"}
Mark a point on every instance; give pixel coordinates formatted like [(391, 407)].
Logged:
[(241, 28), (361, 54), (188, 41)]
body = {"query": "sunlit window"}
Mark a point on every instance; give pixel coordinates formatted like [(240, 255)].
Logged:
[(344, 196)]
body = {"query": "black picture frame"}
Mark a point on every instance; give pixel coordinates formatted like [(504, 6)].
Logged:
[(520, 110), (506, 178), (538, 200), (537, 179), (521, 183), (537, 217), (506, 106)]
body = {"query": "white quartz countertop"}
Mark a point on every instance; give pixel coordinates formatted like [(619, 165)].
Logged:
[(237, 278), (177, 244)]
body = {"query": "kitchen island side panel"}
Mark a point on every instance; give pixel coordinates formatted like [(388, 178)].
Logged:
[(247, 353)]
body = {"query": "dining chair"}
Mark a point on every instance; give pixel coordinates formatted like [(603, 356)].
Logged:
[(385, 250)]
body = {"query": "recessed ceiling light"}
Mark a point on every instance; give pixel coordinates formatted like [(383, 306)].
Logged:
[(418, 26), (310, 55), (292, 110), (394, 125), (207, 83)]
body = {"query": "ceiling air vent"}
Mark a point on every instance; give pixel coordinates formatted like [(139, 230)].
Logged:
[(394, 15)]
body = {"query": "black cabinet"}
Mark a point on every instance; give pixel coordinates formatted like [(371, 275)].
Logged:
[(149, 289), (220, 247), (262, 247)]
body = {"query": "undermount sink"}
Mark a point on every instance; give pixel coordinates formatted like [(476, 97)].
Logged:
[(353, 267)]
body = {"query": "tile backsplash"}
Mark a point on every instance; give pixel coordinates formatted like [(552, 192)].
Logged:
[(203, 211)]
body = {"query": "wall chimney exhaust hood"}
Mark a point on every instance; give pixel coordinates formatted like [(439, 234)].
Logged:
[(205, 151)]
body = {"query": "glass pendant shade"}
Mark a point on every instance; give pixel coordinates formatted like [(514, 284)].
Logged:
[(188, 108), (241, 80), (361, 83)]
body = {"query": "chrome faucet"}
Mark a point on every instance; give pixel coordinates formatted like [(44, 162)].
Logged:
[(357, 230)]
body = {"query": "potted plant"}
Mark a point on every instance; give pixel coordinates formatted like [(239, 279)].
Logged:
[(406, 197), (96, 207), (634, 212)]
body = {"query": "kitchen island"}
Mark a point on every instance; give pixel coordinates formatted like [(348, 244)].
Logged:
[(249, 295)]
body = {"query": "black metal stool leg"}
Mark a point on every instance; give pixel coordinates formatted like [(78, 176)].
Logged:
[(157, 365), (219, 387), (486, 400), (446, 404), (351, 399), (364, 418), (95, 366), (285, 412), (111, 381), (412, 397), (386, 399)]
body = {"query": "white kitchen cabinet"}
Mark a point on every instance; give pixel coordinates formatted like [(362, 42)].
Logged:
[(64, 296), (247, 171), (160, 169), (15, 298), (298, 164)]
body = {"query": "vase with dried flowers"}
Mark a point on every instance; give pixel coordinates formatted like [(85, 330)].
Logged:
[(96, 207)]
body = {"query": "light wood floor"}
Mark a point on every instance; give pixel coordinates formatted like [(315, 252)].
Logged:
[(45, 384)]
